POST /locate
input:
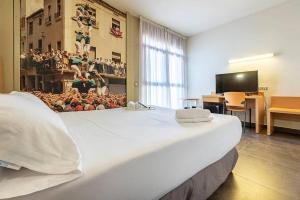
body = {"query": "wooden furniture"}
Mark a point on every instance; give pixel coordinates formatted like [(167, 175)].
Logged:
[(236, 102), (1, 77), (285, 108), (256, 102)]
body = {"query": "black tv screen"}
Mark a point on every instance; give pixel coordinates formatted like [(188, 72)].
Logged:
[(237, 82)]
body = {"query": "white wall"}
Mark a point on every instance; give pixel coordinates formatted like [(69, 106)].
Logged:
[(274, 30)]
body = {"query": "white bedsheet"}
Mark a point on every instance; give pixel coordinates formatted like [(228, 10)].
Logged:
[(128, 155)]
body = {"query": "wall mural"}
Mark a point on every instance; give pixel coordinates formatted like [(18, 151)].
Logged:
[(73, 54)]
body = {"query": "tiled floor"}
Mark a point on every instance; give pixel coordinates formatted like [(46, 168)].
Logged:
[(268, 169)]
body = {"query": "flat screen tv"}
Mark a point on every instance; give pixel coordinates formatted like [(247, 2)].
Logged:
[(237, 82)]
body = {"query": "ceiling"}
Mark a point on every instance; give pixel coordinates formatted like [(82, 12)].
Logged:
[(190, 17)]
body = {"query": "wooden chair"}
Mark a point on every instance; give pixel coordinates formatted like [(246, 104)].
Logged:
[(235, 102)]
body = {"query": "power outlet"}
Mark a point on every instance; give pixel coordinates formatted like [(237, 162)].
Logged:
[(263, 88)]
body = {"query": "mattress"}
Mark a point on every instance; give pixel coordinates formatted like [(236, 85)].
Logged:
[(140, 154)]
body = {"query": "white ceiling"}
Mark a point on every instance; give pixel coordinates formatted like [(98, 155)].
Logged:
[(190, 17)]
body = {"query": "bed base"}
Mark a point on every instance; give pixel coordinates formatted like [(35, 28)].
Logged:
[(207, 181)]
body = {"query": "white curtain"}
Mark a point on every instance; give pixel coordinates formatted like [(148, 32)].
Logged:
[(162, 67)]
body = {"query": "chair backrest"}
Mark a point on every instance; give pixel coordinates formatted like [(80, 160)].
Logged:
[(235, 99)]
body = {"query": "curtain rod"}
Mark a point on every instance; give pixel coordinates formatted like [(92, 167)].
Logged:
[(159, 25)]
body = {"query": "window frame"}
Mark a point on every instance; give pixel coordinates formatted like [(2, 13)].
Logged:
[(30, 28)]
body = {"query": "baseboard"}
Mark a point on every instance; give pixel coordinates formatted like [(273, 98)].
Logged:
[(277, 129)]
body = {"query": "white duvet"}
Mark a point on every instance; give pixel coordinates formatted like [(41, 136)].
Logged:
[(137, 155)]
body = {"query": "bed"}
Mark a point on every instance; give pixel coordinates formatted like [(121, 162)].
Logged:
[(141, 155)]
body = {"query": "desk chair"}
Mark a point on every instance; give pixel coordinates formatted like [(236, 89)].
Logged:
[(236, 102)]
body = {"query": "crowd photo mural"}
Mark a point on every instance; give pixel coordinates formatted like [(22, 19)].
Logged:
[(73, 54)]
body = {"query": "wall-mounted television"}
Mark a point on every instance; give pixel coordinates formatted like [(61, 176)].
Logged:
[(237, 82)]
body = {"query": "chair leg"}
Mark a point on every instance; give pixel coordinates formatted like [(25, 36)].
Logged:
[(245, 118), (250, 118), (231, 112)]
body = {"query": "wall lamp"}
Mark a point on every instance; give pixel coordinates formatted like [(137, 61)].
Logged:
[(257, 57)]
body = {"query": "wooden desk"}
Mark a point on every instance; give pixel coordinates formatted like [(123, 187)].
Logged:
[(256, 102), (286, 108)]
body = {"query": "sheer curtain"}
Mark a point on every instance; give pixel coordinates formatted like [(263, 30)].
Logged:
[(162, 67)]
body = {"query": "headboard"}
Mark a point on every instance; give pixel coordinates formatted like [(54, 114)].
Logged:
[(1, 76)]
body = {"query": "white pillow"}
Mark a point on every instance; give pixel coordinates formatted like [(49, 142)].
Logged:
[(35, 137)]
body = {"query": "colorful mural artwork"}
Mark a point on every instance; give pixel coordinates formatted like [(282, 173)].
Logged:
[(83, 64)]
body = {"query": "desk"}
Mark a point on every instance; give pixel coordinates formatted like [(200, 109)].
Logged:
[(286, 108), (256, 102)]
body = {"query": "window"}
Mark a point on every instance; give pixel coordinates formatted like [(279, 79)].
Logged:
[(30, 28), (116, 57), (22, 23), (23, 47), (30, 46), (92, 13), (59, 45), (40, 21), (49, 13), (92, 53), (58, 8), (40, 45), (163, 64), (49, 47), (115, 24)]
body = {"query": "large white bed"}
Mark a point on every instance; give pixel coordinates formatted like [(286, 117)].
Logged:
[(139, 155)]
